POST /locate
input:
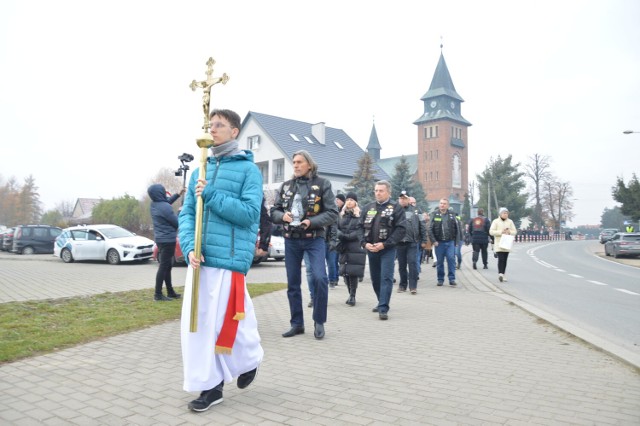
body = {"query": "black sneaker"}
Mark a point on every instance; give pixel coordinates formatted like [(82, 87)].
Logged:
[(440, 283), (161, 298), (310, 305), (452, 283), (245, 379), (375, 309), (174, 295), (383, 316), (206, 400)]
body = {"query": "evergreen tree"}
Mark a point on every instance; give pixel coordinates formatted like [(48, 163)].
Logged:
[(29, 209), (363, 181), (629, 196), (466, 209), (613, 218), (403, 180), (507, 189)]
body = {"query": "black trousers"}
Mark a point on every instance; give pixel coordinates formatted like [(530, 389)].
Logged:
[(477, 249), (165, 256), (502, 261)]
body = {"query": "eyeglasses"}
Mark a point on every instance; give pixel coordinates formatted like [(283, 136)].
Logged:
[(218, 125)]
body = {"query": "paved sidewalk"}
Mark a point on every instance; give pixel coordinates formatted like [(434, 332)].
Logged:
[(446, 356)]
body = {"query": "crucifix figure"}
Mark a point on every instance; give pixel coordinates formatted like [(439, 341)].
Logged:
[(206, 88)]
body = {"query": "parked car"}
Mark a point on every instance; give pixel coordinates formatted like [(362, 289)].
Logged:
[(623, 244), (178, 257), (606, 234), (6, 244), (276, 247), (30, 239), (6, 235), (102, 242)]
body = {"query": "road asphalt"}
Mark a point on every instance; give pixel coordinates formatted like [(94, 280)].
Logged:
[(446, 356)]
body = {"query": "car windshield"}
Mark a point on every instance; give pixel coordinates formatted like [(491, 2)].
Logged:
[(116, 232), (631, 237)]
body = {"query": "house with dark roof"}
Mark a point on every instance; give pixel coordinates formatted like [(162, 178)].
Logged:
[(274, 140), (82, 210)]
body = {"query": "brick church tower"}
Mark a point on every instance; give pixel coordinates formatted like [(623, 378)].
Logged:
[(443, 151)]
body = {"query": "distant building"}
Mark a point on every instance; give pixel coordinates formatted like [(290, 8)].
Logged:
[(442, 163), (273, 141), (82, 210)]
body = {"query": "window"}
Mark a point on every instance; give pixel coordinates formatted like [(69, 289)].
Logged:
[(338, 144), (308, 139), (294, 137), (253, 142), (278, 170), (264, 171)]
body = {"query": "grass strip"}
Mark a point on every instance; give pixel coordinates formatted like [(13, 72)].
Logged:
[(37, 327)]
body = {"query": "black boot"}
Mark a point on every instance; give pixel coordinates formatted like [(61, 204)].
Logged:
[(171, 293), (353, 287)]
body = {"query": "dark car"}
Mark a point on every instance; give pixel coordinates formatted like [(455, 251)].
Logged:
[(606, 234), (623, 244), (30, 239)]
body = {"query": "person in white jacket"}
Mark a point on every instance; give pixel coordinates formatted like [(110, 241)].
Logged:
[(500, 226)]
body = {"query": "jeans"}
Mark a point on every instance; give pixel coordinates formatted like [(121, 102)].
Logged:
[(459, 252), (407, 258), (332, 265), (309, 269), (165, 257), (294, 249), (381, 266), (446, 250)]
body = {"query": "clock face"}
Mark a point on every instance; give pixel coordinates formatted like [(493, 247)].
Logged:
[(433, 104), (453, 105)]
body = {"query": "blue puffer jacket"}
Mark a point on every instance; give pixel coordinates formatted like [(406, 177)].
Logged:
[(232, 200), (165, 221)]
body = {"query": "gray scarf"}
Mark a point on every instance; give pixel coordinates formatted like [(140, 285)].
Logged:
[(226, 149)]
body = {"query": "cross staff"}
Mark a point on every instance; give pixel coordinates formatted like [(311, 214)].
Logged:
[(205, 85), (204, 142)]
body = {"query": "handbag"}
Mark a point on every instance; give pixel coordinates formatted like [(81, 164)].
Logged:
[(506, 241)]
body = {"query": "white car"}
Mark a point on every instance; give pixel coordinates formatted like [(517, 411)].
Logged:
[(102, 242), (276, 247)]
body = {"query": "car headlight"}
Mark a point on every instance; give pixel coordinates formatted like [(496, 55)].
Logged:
[(129, 246)]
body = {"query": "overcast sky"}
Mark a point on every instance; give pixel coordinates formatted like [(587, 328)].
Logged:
[(95, 97)]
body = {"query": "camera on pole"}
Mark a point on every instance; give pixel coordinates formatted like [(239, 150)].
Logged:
[(184, 168)]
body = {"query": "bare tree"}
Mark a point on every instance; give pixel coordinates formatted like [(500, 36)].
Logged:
[(557, 199), (537, 169)]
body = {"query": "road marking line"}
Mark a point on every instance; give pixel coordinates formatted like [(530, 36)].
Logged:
[(575, 276), (597, 282), (627, 291)]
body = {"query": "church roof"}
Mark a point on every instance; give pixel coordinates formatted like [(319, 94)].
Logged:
[(441, 84), (389, 164), (374, 143), (337, 155)]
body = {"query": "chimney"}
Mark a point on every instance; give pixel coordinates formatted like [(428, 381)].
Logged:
[(317, 130)]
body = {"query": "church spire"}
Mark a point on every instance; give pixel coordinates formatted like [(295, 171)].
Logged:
[(373, 148)]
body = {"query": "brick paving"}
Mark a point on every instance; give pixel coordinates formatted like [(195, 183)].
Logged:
[(446, 356)]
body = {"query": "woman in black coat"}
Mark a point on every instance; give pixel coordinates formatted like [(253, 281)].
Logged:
[(352, 256)]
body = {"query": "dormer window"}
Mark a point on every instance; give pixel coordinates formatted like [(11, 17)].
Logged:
[(294, 137), (308, 139)]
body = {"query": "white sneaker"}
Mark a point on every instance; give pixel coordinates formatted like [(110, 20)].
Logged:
[(504, 279), (500, 277)]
